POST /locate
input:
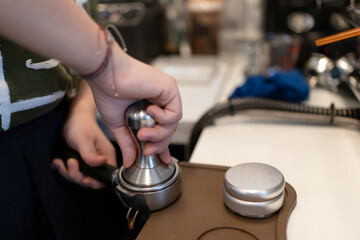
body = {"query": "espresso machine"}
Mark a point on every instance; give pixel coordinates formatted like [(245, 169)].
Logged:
[(304, 16), (309, 19), (139, 22)]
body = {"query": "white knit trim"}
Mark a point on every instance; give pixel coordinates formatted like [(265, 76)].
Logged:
[(5, 100), (30, 103), (7, 107), (51, 63), (81, 4)]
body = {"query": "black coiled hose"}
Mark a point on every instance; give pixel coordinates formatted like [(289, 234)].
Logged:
[(234, 106)]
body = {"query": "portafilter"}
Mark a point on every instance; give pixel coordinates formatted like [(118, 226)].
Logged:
[(149, 184)]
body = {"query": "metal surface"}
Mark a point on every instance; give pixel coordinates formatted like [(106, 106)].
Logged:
[(254, 189), (346, 65), (300, 22), (319, 71), (348, 69), (151, 198), (138, 188), (149, 184), (147, 171), (253, 209), (254, 182)]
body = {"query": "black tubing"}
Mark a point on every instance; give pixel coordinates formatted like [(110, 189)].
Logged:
[(234, 106)]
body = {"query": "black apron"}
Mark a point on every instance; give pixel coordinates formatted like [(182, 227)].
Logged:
[(36, 202)]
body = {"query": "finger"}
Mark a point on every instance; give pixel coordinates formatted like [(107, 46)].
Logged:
[(78, 177), (169, 96), (151, 148), (59, 165), (88, 181), (90, 155), (167, 115), (165, 156), (74, 172), (157, 133), (126, 144), (85, 182), (105, 147)]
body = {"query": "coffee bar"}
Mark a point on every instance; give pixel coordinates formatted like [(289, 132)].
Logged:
[(269, 144)]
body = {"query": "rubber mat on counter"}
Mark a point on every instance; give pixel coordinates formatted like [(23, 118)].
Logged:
[(200, 212)]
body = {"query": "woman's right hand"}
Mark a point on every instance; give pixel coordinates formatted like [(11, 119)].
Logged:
[(134, 80)]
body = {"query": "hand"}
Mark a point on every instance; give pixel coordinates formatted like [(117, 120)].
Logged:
[(82, 133), (134, 80), (74, 42), (84, 136)]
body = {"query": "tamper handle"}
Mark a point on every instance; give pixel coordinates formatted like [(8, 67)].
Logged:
[(137, 118), (147, 171)]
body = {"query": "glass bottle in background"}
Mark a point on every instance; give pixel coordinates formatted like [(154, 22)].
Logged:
[(175, 27), (242, 24), (204, 25)]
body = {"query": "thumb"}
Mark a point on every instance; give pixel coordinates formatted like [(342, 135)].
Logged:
[(126, 144), (91, 157)]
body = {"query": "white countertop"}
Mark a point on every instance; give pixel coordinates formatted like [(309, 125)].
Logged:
[(321, 162)]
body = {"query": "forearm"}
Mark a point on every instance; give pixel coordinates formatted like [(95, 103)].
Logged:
[(83, 103), (55, 29), (60, 29)]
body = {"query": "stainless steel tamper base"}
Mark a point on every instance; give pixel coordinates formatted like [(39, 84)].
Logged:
[(253, 209), (151, 198), (149, 184), (149, 176), (254, 189)]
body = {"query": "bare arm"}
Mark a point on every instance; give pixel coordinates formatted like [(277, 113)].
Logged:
[(59, 29), (54, 29), (82, 133)]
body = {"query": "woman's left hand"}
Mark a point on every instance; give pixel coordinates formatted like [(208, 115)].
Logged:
[(83, 134)]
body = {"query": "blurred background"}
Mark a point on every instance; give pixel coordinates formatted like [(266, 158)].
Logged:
[(256, 87), (211, 47)]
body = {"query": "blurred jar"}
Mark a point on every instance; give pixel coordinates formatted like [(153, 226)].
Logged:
[(204, 24), (176, 27), (242, 24), (284, 52), (279, 52)]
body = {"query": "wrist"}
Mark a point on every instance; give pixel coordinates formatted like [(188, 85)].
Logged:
[(106, 69), (83, 102), (82, 107), (91, 53), (110, 79), (102, 34)]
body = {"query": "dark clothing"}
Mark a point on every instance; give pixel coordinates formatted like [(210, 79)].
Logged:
[(36, 202)]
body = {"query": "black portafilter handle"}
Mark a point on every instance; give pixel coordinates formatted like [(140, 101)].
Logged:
[(105, 173)]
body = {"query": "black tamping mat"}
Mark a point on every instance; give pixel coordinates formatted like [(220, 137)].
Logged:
[(200, 212)]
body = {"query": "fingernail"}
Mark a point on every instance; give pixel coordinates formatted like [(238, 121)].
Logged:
[(70, 164), (53, 166), (86, 183)]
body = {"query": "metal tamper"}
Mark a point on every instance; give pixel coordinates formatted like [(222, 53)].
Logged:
[(149, 184)]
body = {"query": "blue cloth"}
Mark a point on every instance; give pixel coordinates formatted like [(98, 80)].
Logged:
[(285, 85)]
